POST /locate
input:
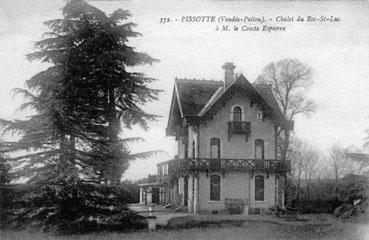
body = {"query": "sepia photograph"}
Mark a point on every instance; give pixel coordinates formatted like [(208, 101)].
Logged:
[(206, 119)]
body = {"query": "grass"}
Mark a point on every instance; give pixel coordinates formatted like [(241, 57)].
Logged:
[(246, 230)]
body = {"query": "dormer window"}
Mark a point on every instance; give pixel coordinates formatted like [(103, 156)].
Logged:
[(237, 114)]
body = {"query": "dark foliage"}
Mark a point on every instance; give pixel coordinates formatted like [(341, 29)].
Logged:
[(347, 210), (130, 190), (322, 197), (4, 172), (316, 206), (68, 207), (82, 100), (354, 187), (70, 144)]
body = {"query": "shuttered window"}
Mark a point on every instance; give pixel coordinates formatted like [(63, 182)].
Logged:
[(215, 188), (259, 188)]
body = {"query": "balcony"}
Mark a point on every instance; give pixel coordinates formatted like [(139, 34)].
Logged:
[(239, 128), (206, 164)]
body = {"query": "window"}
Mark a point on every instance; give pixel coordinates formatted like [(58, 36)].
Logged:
[(215, 148), (259, 149), (259, 188), (215, 153), (193, 149), (214, 188), (237, 114)]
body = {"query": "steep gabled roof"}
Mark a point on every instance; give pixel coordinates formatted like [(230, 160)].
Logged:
[(194, 94), (199, 98), (261, 94), (266, 93), (189, 96)]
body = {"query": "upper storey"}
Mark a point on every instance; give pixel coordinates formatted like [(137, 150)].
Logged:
[(199, 101)]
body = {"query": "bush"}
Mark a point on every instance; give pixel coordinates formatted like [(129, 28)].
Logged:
[(316, 206), (322, 197), (341, 209), (71, 207), (14, 198), (5, 204), (129, 191), (354, 187), (234, 206)]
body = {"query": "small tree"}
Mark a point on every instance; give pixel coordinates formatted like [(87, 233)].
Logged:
[(361, 162), (305, 162), (339, 164), (310, 167), (290, 79), (297, 164)]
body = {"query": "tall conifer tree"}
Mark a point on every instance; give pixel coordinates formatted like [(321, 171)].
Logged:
[(80, 103), (82, 99)]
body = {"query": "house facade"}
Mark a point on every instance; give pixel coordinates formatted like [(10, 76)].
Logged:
[(227, 146)]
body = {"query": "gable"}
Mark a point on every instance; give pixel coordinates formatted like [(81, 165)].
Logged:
[(188, 98), (175, 114), (201, 99), (258, 94)]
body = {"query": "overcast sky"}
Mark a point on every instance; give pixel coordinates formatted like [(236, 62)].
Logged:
[(338, 54)]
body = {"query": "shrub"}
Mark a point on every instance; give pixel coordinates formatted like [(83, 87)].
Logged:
[(4, 172), (316, 206), (73, 207), (129, 191), (14, 198), (234, 206), (354, 187)]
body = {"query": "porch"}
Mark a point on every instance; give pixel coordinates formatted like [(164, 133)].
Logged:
[(152, 193)]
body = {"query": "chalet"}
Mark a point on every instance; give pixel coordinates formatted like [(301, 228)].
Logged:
[(227, 147)]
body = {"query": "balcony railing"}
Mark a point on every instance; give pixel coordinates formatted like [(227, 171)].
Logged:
[(203, 164), (239, 128)]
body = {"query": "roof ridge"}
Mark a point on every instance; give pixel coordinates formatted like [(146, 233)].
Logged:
[(211, 100), (198, 80), (267, 85)]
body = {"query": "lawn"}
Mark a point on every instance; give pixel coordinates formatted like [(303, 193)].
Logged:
[(246, 230)]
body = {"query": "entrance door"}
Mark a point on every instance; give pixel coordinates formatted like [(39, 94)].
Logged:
[(155, 195), (185, 195)]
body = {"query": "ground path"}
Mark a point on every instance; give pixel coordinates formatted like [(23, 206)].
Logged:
[(218, 227)]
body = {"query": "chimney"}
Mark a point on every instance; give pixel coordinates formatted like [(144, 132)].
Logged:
[(228, 73)]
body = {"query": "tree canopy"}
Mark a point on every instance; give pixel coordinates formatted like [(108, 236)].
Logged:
[(80, 104), (84, 97), (289, 79)]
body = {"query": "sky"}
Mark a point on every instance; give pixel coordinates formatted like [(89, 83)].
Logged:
[(337, 53)]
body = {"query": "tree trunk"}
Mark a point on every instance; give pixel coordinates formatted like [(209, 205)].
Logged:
[(113, 137), (298, 189), (72, 156), (286, 145), (308, 190), (336, 184), (284, 156), (63, 154)]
